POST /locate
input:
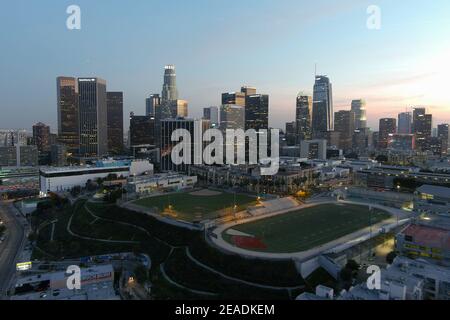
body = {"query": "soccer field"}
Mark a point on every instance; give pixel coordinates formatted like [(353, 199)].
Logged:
[(303, 229), (197, 206)]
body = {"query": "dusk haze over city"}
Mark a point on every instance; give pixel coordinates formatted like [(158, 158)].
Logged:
[(225, 158)]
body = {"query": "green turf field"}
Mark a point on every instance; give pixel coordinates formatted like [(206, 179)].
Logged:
[(191, 208), (308, 228)]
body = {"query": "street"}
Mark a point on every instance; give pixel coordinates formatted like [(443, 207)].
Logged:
[(11, 246)]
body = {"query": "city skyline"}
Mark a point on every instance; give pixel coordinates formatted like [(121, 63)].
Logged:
[(392, 69), (213, 151)]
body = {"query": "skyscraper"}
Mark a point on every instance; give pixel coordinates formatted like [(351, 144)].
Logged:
[(422, 124), (68, 113), (115, 122), (257, 112), (388, 127), (169, 91), (232, 117), (142, 130), (151, 104), (19, 156), (444, 136), (178, 108), (402, 142), (291, 133), (362, 140), (359, 109), (93, 117), (41, 137), (344, 123), (322, 115), (211, 114), (234, 98), (9, 138), (303, 117), (58, 155), (404, 123), (195, 128), (248, 91)]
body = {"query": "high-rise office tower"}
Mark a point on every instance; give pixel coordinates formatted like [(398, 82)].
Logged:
[(248, 91), (257, 112), (291, 133), (178, 108), (401, 142), (169, 91), (58, 155), (93, 117), (375, 139), (303, 117), (359, 109), (19, 156), (10, 138), (212, 114), (388, 127), (344, 123), (362, 140), (68, 113), (444, 135), (41, 137), (115, 122), (142, 130), (195, 128), (404, 123), (152, 103), (232, 117), (434, 145), (422, 124), (234, 98), (322, 115)]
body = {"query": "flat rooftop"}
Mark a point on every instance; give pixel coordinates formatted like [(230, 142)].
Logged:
[(441, 192), (86, 274), (103, 291), (50, 170)]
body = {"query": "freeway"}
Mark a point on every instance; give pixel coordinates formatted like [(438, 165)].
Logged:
[(11, 246)]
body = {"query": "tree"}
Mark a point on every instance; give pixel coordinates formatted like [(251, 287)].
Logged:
[(32, 237), (391, 257), (352, 265), (382, 158), (114, 195), (346, 274), (2, 229), (75, 191), (141, 274)]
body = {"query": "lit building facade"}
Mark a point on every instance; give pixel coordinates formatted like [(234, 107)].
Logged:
[(68, 113), (322, 117), (303, 117)]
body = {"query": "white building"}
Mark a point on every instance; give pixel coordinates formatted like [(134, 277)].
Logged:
[(62, 179), (407, 279), (159, 182), (97, 283)]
